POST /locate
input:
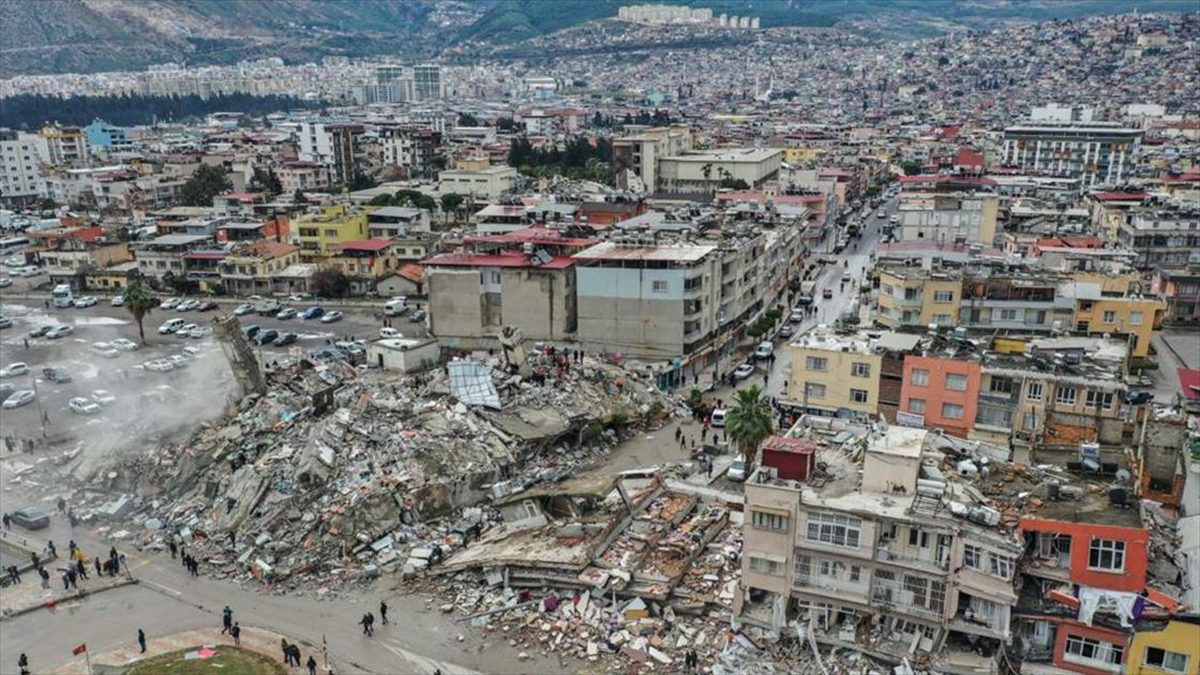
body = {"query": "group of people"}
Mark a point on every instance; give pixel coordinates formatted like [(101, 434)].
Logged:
[(26, 445), (368, 620), (291, 657)]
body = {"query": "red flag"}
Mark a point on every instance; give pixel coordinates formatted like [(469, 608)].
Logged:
[(80, 649)]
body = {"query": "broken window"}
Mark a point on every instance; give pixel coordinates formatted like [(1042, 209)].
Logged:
[(1001, 566)]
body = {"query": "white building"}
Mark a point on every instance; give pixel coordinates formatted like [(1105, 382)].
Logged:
[(487, 184), (20, 175)]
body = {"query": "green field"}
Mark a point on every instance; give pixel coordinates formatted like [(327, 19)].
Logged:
[(229, 660)]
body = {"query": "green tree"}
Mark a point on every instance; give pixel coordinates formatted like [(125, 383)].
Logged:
[(382, 200), (331, 282), (47, 204), (749, 422), (139, 302), (451, 202), (911, 168), (298, 197), (468, 120), (268, 180), (206, 183)]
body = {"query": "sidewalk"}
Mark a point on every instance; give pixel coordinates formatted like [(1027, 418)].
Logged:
[(29, 595), (254, 639)]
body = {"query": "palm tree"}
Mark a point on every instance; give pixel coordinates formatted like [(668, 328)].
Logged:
[(749, 422), (139, 301)]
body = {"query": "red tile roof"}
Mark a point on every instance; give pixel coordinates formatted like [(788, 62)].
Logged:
[(412, 272), (785, 444), (968, 157), (530, 235), (373, 245), (272, 249), (507, 259), (1189, 382), (1120, 196)]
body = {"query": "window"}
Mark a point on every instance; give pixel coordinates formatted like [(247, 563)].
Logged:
[(1001, 567), (766, 566), (859, 395), (920, 377), (658, 286), (955, 382), (814, 390), (1065, 395), (952, 411), (1107, 555), (1008, 315), (943, 297), (1110, 316), (833, 529), (972, 556), (1000, 385), (1161, 658), (816, 363), (1029, 421), (1082, 650), (1098, 399), (918, 538), (916, 406), (1034, 391), (855, 573), (860, 369), (769, 521), (1135, 318), (941, 319)]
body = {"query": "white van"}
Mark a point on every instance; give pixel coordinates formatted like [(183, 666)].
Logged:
[(387, 332), (171, 326), (396, 306), (764, 350)]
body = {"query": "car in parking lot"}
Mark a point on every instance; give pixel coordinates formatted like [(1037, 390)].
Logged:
[(417, 316), (171, 326), (186, 330), (743, 371), (41, 330), (14, 369), (266, 336), (30, 518), (331, 317), (19, 398), (85, 301), (199, 332), (56, 375), (5, 322), (388, 332), (59, 332), (105, 349), (188, 306), (178, 360), (117, 301), (6, 390), (159, 366), (286, 313), (314, 312), (268, 307), (82, 406), (207, 306), (718, 418), (243, 309), (285, 339), (738, 471), (169, 303), (102, 397), (124, 344), (5, 282)]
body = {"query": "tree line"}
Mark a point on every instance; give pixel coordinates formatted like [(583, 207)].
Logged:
[(578, 158), (30, 112)]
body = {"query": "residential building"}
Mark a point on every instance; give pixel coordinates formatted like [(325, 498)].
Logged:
[(318, 233), (363, 262), (79, 249), (106, 137), (20, 172), (1165, 648), (164, 255), (473, 296), (62, 146), (835, 374), (947, 210), (427, 82), (706, 171), (412, 148), (1095, 152), (940, 392), (486, 184), (1180, 288), (636, 157), (916, 297), (335, 146), (1135, 317), (391, 222), (303, 176), (1162, 236), (254, 268)]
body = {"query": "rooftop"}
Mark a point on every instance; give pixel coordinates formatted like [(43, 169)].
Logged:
[(369, 245), (738, 155), (530, 235), (504, 259), (824, 338), (680, 252)]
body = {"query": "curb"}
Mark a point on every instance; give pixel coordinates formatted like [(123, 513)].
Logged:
[(5, 616)]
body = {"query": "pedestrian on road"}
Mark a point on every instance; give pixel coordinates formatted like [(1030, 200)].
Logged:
[(174, 549), (312, 665), (383, 608), (62, 505), (236, 632), (23, 661), (14, 574), (37, 564), (45, 577), (71, 578), (367, 620), (71, 548), (294, 655), (287, 653), (81, 568), (97, 561), (50, 547), (142, 640), (7, 522), (226, 619)]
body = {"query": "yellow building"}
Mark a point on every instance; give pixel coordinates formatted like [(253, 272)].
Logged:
[(1133, 316), (334, 225), (252, 268), (797, 156), (831, 372), (364, 262), (918, 298), (1171, 650)]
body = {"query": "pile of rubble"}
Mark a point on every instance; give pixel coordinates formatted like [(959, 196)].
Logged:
[(337, 474)]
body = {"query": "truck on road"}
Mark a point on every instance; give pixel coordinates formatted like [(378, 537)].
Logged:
[(62, 296)]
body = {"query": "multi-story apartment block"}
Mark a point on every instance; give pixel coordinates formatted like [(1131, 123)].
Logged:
[(106, 137), (318, 233), (706, 171), (427, 82), (363, 262), (940, 393), (20, 172), (303, 176), (636, 158), (1162, 236), (915, 297), (409, 147), (872, 544), (486, 184), (254, 267), (396, 221), (1094, 152), (62, 146), (165, 255), (1180, 288), (835, 373), (335, 146), (947, 210)]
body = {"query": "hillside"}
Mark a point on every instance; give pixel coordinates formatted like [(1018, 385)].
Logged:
[(53, 36)]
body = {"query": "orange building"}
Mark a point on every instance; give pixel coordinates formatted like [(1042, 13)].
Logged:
[(939, 392)]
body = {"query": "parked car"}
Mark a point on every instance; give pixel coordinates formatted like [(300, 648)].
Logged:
[(827, 293), (718, 418), (786, 331), (743, 371), (85, 301), (82, 406), (6, 390), (417, 316), (124, 344), (396, 306), (178, 360), (188, 306), (199, 332), (30, 518), (251, 331), (5, 282), (268, 307), (387, 332), (40, 330), (14, 369), (764, 350), (797, 315), (169, 303), (159, 366), (105, 349), (192, 350), (286, 313), (117, 301), (738, 471), (331, 317), (314, 312), (267, 336), (243, 309), (102, 397), (5, 322), (56, 375), (19, 398), (285, 339), (59, 332), (171, 326), (1139, 397), (207, 306)]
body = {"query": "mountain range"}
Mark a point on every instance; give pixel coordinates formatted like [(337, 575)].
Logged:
[(56, 36)]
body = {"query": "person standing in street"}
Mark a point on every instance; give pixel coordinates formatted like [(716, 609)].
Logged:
[(23, 664), (383, 608), (226, 619), (142, 640), (236, 632), (174, 548), (312, 665)]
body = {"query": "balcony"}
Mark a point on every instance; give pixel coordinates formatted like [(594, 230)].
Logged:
[(921, 564)]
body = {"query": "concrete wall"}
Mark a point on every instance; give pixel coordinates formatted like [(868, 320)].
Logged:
[(540, 302), (455, 307), (620, 311)]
